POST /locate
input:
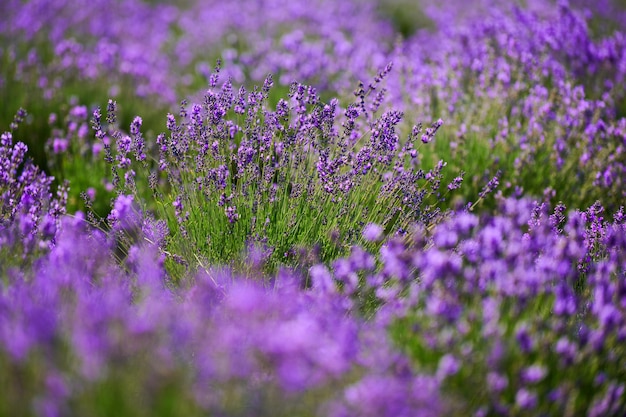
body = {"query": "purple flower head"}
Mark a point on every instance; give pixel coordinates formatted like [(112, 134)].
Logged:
[(79, 112), (497, 382), (111, 112), (533, 374), (566, 350), (491, 185), (171, 122), (59, 145), (448, 366), (231, 214), (322, 279), (526, 399), (360, 259), (372, 232), (48, 227), (524, 338), (455, 183), (446, 237), (124, 213), (344, 272)]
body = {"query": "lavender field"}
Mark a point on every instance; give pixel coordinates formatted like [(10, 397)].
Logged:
[(312, 208)]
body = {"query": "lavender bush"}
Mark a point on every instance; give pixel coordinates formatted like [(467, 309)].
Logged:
[(233, 173), (538, 108)]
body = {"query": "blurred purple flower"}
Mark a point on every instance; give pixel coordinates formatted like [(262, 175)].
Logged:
[(372, 232)]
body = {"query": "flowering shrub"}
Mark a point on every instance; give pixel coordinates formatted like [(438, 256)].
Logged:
[(233, 172)]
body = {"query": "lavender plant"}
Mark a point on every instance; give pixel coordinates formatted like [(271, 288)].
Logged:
[(519, 313), (155, 53), (29, 213), (234, 173), (527, 76), (73, 152)]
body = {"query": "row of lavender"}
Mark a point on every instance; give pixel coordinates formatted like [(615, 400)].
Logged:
[(518, 313), (274, 252), (160, 49), (514, 85)]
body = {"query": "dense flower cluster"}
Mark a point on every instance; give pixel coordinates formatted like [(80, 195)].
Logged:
[(235, 346), (519, 303), (534, 83), (54, 42), (330, 44), (529, 306), (232, 172), (29, 214)]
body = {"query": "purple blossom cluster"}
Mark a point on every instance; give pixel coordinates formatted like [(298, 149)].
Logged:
[(527, 305), (52, 43), (497, 45), (284, 175), (536, 82), (159, 50), (328, 44), (29, 213), (549, 82), (236, 346), (520, 313)]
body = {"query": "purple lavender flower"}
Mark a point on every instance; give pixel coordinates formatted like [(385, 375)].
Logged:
[(455, 183), (525, 399), (491, 185), (231, 214), (124, 213), (448, 366), (372, 232), (533, 374)]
